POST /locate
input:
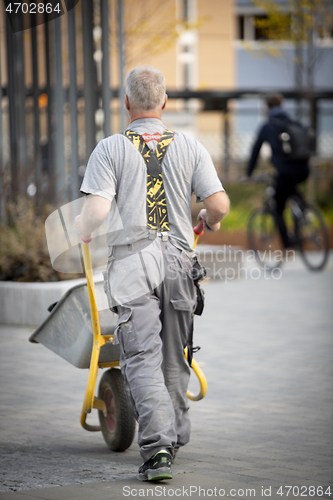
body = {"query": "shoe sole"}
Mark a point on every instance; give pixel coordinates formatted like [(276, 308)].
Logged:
[(155, 475)]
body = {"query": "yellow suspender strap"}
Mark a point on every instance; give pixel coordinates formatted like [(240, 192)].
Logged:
[(157, 213)]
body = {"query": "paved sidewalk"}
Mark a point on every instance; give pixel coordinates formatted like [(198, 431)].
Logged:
[(266, 421)]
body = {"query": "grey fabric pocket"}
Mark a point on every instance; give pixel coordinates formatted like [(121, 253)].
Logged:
[(182, 304), (182, 290), (126, 334)]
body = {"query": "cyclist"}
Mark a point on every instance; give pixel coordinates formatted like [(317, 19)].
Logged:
[(290, 172)]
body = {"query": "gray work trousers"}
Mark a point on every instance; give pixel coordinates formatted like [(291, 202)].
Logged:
[(155, 297)]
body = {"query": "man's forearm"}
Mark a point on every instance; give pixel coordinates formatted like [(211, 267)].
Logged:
[(89, 223), (213, 217), (94, 211), (217, 208)]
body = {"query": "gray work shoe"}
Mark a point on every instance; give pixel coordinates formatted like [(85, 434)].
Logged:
[(156, 468)]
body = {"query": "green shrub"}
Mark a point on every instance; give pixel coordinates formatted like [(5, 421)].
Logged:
[(324, 199)]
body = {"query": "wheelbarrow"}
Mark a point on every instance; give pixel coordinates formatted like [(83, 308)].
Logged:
[(77, 332)]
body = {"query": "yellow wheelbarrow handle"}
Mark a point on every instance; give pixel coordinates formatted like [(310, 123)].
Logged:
[(90, 401), (202, 380), (198, 231)]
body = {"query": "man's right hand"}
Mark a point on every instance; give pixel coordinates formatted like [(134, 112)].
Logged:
[(217, 207), (213, 227)]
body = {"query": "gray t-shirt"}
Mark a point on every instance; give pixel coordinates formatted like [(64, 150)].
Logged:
[(117, 171)]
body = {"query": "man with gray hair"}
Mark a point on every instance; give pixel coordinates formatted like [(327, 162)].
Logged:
[(138, 81), (143, 180)]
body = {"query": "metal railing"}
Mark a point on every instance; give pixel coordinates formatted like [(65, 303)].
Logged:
[(49, 128)]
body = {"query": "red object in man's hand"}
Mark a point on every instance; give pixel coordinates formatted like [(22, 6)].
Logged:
[(86, 239), (199, 230)]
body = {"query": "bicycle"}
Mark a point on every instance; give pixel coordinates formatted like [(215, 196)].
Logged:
[(306, 228)]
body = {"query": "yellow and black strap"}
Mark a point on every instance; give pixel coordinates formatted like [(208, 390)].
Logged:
[(157, 212)]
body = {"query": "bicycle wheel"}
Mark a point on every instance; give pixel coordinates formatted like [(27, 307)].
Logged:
[(264, 238), (118, 426), (313, 239)]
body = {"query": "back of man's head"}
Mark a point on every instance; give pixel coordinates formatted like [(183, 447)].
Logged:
[(273, 100), (145, 88)]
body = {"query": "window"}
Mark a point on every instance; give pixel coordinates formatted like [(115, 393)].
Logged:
[(240, 27), (254, 28), (260, 33)]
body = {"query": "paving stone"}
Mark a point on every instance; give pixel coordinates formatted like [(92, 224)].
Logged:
[(267, 352)]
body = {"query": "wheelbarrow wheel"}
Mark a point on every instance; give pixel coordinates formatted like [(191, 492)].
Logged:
[(118, 426)]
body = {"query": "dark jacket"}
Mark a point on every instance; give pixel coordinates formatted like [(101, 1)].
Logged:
[(269, 133)]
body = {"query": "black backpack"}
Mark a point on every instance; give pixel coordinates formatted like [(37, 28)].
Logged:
[(296, 141)]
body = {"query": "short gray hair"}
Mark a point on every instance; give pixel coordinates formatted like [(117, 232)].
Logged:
[(145, 88)]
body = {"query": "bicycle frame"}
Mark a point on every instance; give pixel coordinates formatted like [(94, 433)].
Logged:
[(310, 235)]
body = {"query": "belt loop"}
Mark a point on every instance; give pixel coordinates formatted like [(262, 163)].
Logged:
[(151, 234)]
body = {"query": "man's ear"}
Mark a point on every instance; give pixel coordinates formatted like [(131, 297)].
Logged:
[(165, 101), (127, 104)]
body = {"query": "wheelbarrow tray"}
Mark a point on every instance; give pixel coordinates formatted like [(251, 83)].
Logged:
[(68, 332)]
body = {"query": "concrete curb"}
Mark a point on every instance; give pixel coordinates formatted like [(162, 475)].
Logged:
[(27, 303)]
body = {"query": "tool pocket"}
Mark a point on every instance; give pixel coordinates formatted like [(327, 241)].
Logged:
[(124, 333), (179, 273), (182, 304), (198, 274), (200, 299)]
